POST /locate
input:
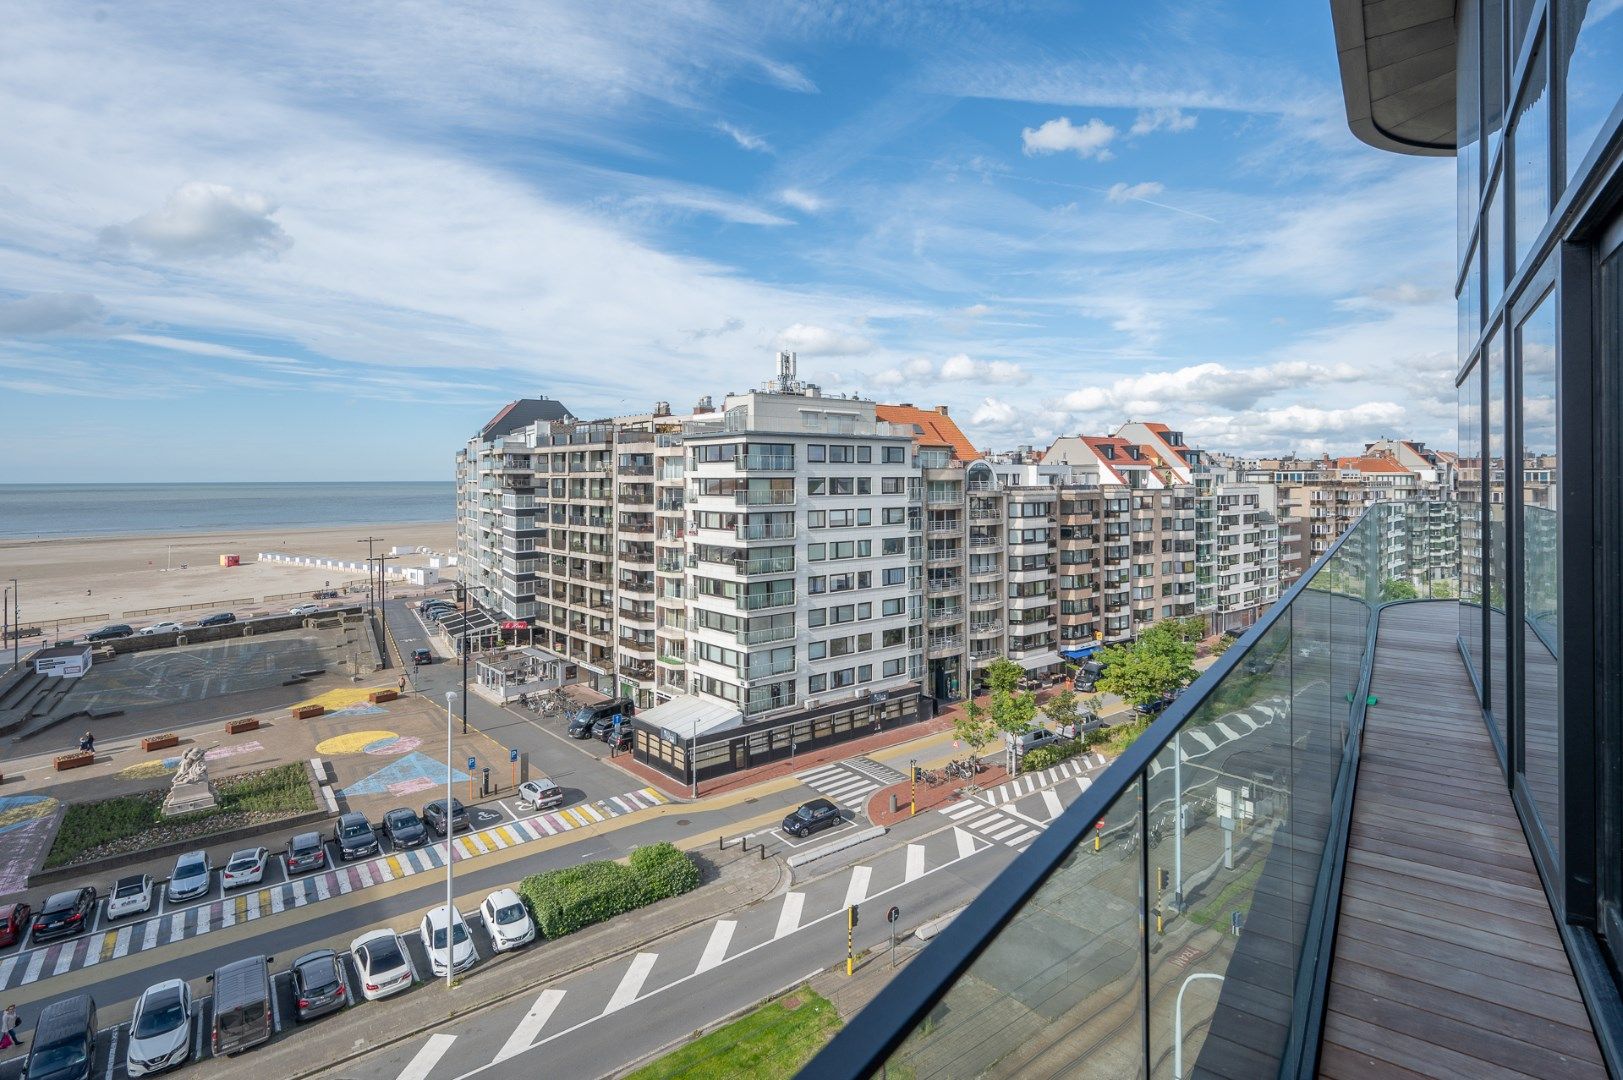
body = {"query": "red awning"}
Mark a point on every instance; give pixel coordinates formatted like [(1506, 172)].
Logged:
[(515, 625)]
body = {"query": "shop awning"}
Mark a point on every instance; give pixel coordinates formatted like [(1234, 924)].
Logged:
[(682, 719), (1042, 660), (1080, 651)]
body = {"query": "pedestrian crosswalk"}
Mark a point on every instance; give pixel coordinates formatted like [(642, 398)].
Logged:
[(608, 991), (843, 782), (48, 961), (1031, 782), (995, 825), (1196, 742)]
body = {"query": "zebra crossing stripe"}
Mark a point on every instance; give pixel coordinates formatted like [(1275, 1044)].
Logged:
[(64, 957), (354, 876), (242, 908), (177, 926), (364, 872), (323, 886), (1024, 838), (252, 911), (510, 834), (957, 810), (593, 813), (654, 795), (121, 943), (394, 865), (966, 842), (7, 966), (461, 847), (1003, 830), (1052, 804), (624, 809), (1228, 732), (1202, 738), (35, 964), (278, 900), (101, 950), (149, 934)]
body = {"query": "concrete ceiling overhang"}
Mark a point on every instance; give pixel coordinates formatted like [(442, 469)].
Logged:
[(1397, 72)]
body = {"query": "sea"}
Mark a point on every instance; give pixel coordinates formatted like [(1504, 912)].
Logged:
[(33, 511)]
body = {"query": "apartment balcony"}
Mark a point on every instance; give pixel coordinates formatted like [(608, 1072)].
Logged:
[(768, 699), (984, 627), (945, 525), (772, 531), (944, 586), (984, 542), (1347, 891), (944, 498), (764, 498), (765, 463), (943, 554), (939, 648), (778, 564), (637, 670), (766, 635), (764, 601), (981, 602)]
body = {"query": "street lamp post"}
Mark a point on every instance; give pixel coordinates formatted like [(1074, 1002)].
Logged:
[(450, 927), (462, 598), (1177, 1022), (16, 626), (371, 593)]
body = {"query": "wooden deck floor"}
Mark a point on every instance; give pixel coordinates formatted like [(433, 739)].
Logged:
[(1447, 959)]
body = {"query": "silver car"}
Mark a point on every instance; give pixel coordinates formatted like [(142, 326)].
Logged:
[(190, 878)]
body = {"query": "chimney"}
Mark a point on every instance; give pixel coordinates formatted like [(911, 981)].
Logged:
[(942, 409)]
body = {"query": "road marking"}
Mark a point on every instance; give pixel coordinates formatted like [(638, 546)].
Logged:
[(1084, 782), (1004, 828), (254, 904), (789, 917), (7, 965), (323, 890), (857, 891), (715, 951), (429, 1056), (1228, 732), (101, 948), (1202, 738), (593, 813), (530, 1026), (498, 836), (966, 842), (64, 958), (112, 1052), (394, 865), (278, 900), (122, 943), (1053, 805), (177, 925), (958, 809), (149, 934), (276, 1009), (631, 983), (1023, 838), (915, 862), (35, 963)]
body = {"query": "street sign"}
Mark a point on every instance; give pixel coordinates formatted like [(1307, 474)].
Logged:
[(616, 719), (893, 914), (472, 763), (512, 755)]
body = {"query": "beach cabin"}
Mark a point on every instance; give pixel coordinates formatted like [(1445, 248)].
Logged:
[(64, 661)]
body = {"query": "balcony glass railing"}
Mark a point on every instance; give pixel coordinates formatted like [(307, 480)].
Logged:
[(1175, 919)]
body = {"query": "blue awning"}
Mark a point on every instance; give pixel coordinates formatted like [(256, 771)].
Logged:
[(1079, 652)]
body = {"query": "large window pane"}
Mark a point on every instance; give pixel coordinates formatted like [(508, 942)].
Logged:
[(1541, 566), (1470, 308), (1470, 498), (1493, 71), (1493, 242), (1589, 53), (1531, 142), (1494, 461), (1467, 123)]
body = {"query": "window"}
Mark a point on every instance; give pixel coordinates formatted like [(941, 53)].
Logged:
[(817, 650), (816, 684), (893, 607), (1591, 53), (817, 617), (816, 485), (891, 639), (816, 584), (894, 575), (864, 455), (840, 485), (816, 552), (843, 677), (891, 668), (816, 452), (864, 517), (893, 515), (896, 455), (843, 614), (816, 519), (864, 673), (864, 485), (840, 455), (1531, 138), (893, 545), (1540, 569), (864, 611)]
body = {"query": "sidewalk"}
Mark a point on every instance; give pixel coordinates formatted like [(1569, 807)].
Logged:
[(733, 880)]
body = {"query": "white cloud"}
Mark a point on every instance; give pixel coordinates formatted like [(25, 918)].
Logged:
[(961, 368), (975, 311), (802, 200), (1162, 119), (787, 76), (1091, 140), (202, 220), (821, 341), (51, 313), (1120, 193), (1208, 385), (995, 414), (747, 140), (715, 204)]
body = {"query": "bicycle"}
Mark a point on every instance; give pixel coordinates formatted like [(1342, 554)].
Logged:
[(934, 779)]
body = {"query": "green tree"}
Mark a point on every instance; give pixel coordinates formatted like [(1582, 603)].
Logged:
[(1442, 590), (1009, 709), (1398, 589), (1063, 709), (1159, 662), (1223, 645), (974, 728)]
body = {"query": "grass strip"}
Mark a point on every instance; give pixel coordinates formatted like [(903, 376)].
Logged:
[(775, 1041)]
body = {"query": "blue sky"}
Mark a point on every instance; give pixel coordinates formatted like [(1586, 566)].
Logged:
[(318, 241)]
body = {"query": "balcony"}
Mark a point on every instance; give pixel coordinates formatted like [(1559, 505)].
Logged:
[(772, 531), (946, 646), (765, 463), (763, 601), (1347, 890), (767, 635), (779, 564), (764, 498)]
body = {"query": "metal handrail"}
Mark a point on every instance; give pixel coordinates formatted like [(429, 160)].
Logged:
[(863, 1046)]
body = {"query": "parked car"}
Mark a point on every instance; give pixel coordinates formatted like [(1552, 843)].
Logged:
[(14, 922), (65, 914), (447, 941), (64, 1045), (167, 626), (381, 962), (586, 717), (304, 609), (507, 920), (812, 816), (354, 838), (434, 816), (324, 594), (404, 828), (319, 986), (541, 793), (623, 741), (245, 867), (306, 851), (242, 1004), (604, 729), (422, 656), (190, 877), (110, 632), (1150, 708), (131, 895), (1028, 741), (1087, 676), (161, 1029), (219, 618)]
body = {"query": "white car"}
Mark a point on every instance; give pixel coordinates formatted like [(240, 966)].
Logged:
[(507, 920), (161, 1029), (381, 960), (130, 895), (164, 627), (245, 867), (304, 609), (459, 954)]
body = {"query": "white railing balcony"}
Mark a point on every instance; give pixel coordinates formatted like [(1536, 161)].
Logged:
[(765, 600)]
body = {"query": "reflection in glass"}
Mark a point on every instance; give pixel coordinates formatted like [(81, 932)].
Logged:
[(1494, 463), (1470, 308), (1541, 565), (1589, 50), (1493, 242), (1493, 71), (1531, 141), (1467, 110), (1470, 499)]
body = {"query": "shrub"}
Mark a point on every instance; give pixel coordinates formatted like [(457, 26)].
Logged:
[(1046, 757), (566, 900), (664, 871)]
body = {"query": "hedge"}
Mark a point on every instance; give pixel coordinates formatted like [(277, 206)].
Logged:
[(1046, 757), (576, 897)]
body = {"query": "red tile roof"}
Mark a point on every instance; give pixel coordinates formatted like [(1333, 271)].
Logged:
[(1371, 464), (934, 429)]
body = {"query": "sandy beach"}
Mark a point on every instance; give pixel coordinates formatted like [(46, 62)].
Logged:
[(66, 585)]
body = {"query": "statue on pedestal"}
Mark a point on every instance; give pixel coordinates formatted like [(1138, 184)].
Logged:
[(190, 790)]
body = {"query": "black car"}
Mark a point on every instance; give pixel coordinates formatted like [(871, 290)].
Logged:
[(65, 914), (404, 828), (64, 1046), (219, 618), (306, 852), (623, 741), (354, 837), (434, 816), (584, 719), (422, 656), (434, 602), (812, 816), (604, 727), (318, 985), (108, 633)]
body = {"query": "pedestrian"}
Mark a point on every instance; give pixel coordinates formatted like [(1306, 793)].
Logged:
[(10, 1025), (87, 741), (402, 684)]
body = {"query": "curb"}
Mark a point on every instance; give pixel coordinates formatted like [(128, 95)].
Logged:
[(839, 845), (509, 991), (926, 931)]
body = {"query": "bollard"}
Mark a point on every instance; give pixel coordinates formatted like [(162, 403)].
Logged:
[(721, 843), (762, 849), (893, 802), (745, 841)]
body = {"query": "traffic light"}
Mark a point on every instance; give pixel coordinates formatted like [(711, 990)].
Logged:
[(918, 774), (851, 917), (1160, 880)]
